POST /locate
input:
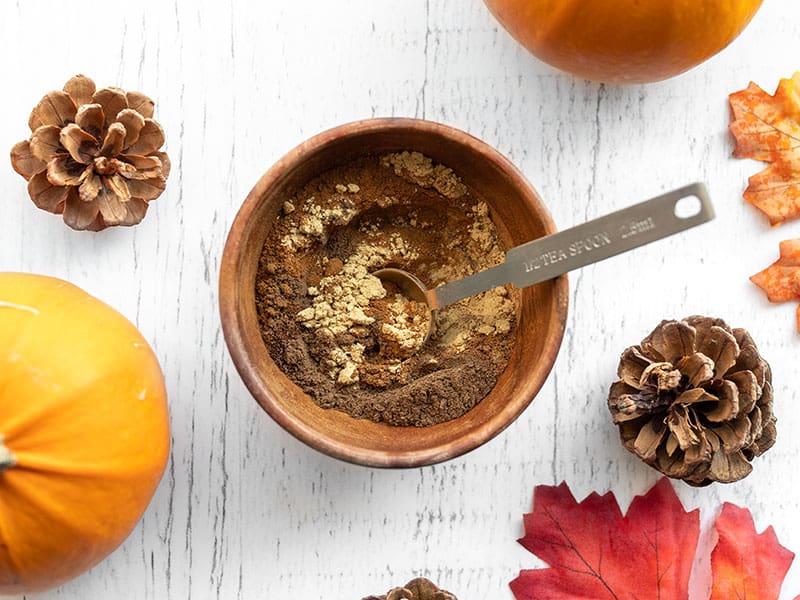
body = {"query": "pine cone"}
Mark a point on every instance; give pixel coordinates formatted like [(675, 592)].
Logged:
[(416, 589), (93, 155), (694, 400)]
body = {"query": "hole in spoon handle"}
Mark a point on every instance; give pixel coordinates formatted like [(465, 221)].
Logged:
[(618, 232)]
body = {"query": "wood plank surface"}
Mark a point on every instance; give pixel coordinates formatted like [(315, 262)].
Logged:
[(247, 512)]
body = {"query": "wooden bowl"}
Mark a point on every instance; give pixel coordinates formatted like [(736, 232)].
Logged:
[(519, 216)]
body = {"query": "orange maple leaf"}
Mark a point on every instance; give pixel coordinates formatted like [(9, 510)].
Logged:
[(781, 280), (767, 128), (745, 564)]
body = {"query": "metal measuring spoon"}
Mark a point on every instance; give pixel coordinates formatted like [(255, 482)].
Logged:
[(553, 255)]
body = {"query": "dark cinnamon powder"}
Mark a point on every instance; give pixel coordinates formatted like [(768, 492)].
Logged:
[(353, 343)]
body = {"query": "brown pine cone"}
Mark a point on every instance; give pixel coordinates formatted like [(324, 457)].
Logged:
[(694, 400), (93, 155), (416, 589)]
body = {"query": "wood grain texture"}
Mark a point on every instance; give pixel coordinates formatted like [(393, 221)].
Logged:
[(246, 511)]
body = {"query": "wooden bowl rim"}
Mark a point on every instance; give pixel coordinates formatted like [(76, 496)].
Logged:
[(232, 322)]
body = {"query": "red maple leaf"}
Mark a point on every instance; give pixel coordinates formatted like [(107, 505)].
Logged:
[(767, 128), (595, 552), (745, 564)]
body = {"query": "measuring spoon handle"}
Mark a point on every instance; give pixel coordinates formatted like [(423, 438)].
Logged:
[(593, 241), (596, 240)]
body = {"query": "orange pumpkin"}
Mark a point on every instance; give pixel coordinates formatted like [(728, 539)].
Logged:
[(84, 431), (624, 41)]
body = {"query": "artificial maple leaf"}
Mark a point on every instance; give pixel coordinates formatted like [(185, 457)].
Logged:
[(781, 280), (745, 564), (767, 128), (594, 552)]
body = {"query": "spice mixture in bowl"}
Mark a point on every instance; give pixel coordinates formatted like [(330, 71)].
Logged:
[(355, 344), (341, 359)]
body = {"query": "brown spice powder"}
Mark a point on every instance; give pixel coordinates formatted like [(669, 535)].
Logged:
[(354, 343)]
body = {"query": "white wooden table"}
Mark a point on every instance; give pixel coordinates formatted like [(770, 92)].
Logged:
[(245, 511)]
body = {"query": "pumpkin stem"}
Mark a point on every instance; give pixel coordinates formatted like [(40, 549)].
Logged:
[(7, 458)]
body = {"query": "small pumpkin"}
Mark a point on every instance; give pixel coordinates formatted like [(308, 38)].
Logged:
[(84, 431), (624, 41)]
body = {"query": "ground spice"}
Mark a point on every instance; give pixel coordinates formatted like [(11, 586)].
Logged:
[(355, 343)]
